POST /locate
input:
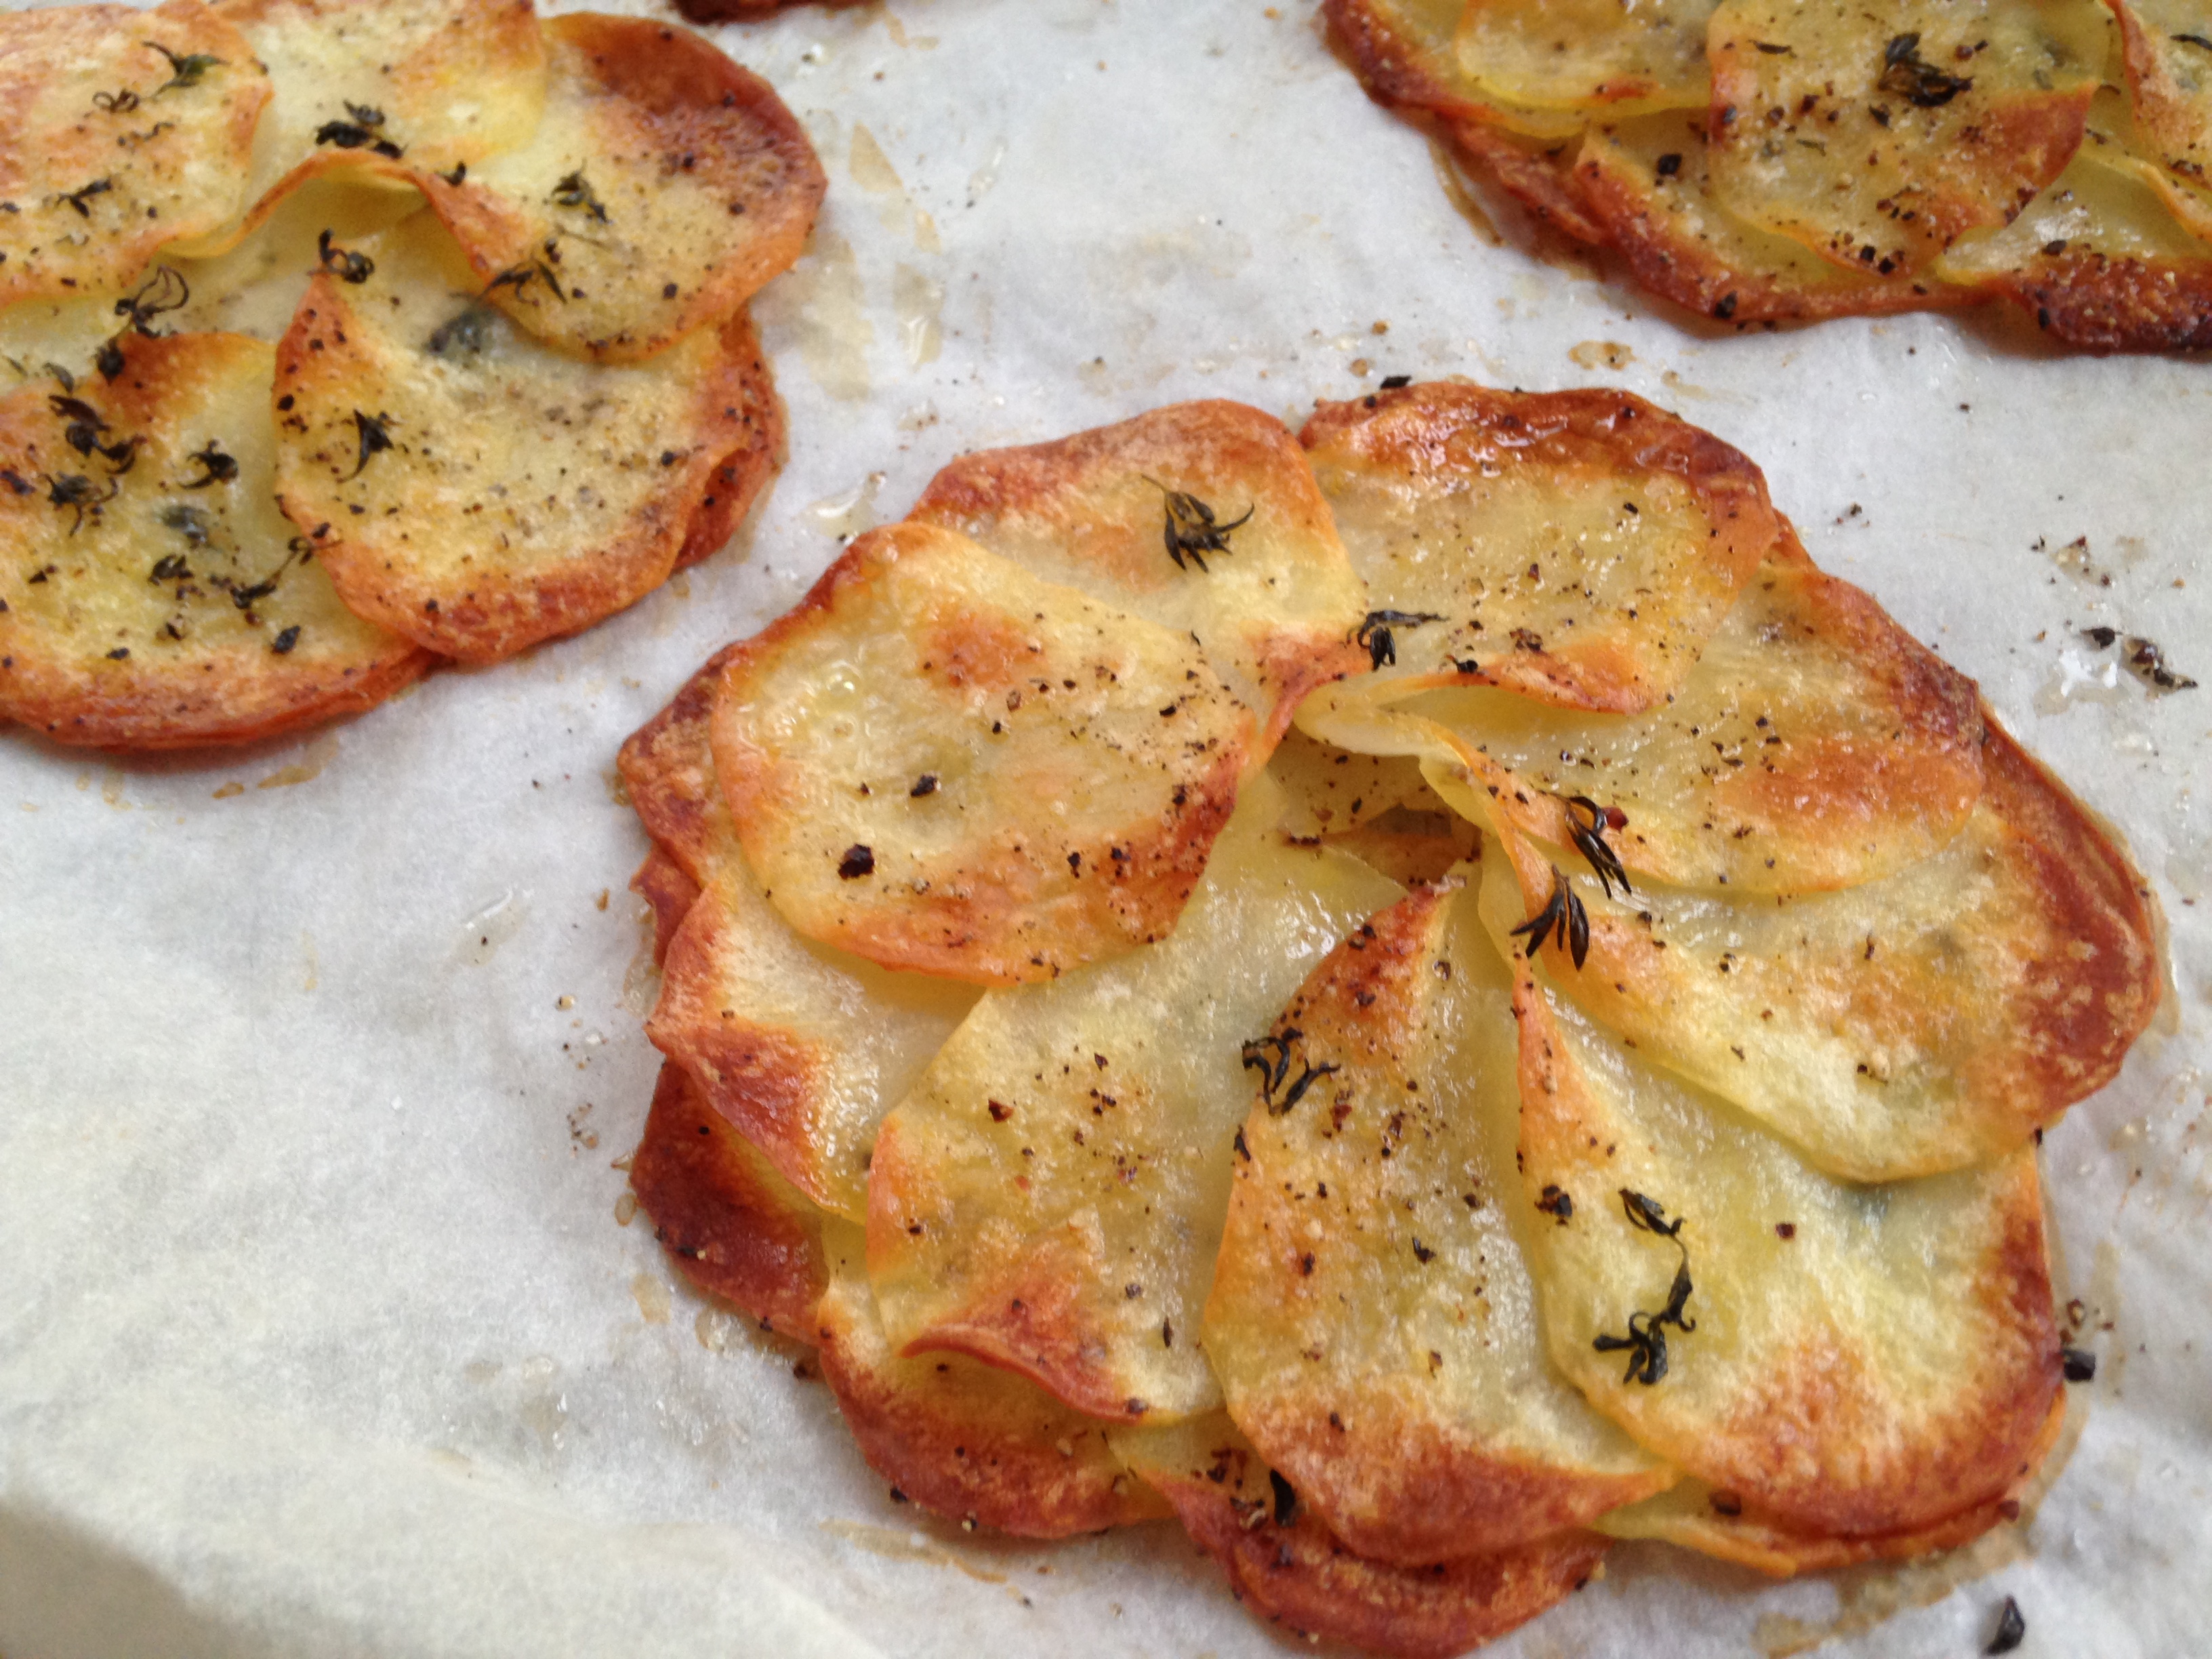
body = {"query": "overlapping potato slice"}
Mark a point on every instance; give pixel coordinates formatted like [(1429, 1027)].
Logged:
[(1372, 1321), (1588, 55), (1575, 547), (1649, 183), (1406, 52), (1848, 1360), (1049, 1195), (941, 762), (1329, 791), (802, 1048), (1294, 1572), (152, 596), (127, 130), (2166, 47), (1875, 137), (663, 187), (379, 87), (473, 489), (1930, 1019), (1203, 516), (1536, 171), (2100, 260)]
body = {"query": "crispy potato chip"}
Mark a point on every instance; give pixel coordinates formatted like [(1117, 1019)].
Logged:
[(1929, 1020), (2100, 260), (962, 1438), (1648, 183), (2166, 47), (1124, 513), (476, 491), (802, 1048), (1576, 547), (1876, 136), (1406, 53), (1295, 1573), (939, 761), (150, 599), (1850, 1360), (1537, 172), (1049, 1197), (667, 887), (127, 130), (1372, 1321), (733, 1226), (1816, 745), (663, 187), (384, 87), (1588, 55)]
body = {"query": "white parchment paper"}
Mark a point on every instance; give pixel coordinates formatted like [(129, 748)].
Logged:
[(320, 1332)]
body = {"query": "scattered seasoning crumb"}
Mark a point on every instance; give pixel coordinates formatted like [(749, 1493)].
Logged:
[(2012, 1629), (2079, 1364), (858, 861)]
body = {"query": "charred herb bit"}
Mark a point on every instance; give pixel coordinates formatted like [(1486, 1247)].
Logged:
[(73, 489), (857, 861), (191, 523), (164, 290), (85, 423), (246, 597), (1287, 1499), (283, 644), (465, 332), (1646, 1341), (2078, 1364), (1906, 75), (2102, 638), (1396, 382), (1270, 1056), (77, 198), (185, 71), (926, 785), (2148, 663), (62, 378), (1374, 632), (374, 440), (1304, 1080), (108, 359), (1562, 913), (1554, 1201), (115, 103), (1190, 531), (363, 132), (16, 481), (519, 277), (170, 568), (574, 192), (347, 267), (215, 467), (1587, 823), (2197, 40), (2012, 1629), (460, 172)]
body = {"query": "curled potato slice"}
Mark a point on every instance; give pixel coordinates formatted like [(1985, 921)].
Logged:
[(153, 597), (1330, 791), (801, 1048), (1407, 53), (939, 761), (1116, 513), (381, 87), (1876, 136), (127, 130), (1372, 1321), (1049, 1195), (1587, 55), (1934, 1018), (1536, 171), (2164, 46), (1285, 1563), (1574, 547), (476, 491), (1850, 1360), (663, 188)]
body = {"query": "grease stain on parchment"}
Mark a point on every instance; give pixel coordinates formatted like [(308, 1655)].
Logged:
[(1603, 354), (1457, 192), (823, 297), (491, 926), (895, 1545), (918, 301), (653, 1298), (309, 767), (847, 513)]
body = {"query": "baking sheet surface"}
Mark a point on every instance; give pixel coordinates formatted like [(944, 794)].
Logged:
[(321, 1332)]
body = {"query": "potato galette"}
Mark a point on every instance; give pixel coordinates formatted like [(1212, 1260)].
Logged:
[(501, 404), (1583, 1082)]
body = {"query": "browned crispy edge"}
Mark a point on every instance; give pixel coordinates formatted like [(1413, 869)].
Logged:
[(739, 478)]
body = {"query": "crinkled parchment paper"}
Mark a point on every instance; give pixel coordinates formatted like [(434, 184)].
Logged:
[(321, 1330)]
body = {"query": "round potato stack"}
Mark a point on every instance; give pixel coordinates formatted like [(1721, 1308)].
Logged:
[(1757, 161), (342, 337), (1419, 996)]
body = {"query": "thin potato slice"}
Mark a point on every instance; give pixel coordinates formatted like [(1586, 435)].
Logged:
[(1595, 56), (378, 88), (1575, 547), (1329, 791), (1295, 1573), (1537, 172), (1931, 1019), (1274, 604), (1815, 746), (941, 761), (1405, 51), (1372, 1321), (1412, 846), (1049, 1195), (962, 1438), (1650, 183), (2166, 46), (476, 491), (2099, 260), (663, 187), (801, 1048), (1877, 137), (152, 596), (127, 130), (1850, 1360)]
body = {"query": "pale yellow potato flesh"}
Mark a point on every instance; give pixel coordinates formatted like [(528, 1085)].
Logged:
[(126, 130), (153, 596), (507, 493), (1853, 1360), (2166, 47), (942, 762), (1329, 791), (1406, 51), (1876, 137), (1372, 1321), (1049, 1195), (1596, 56)]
